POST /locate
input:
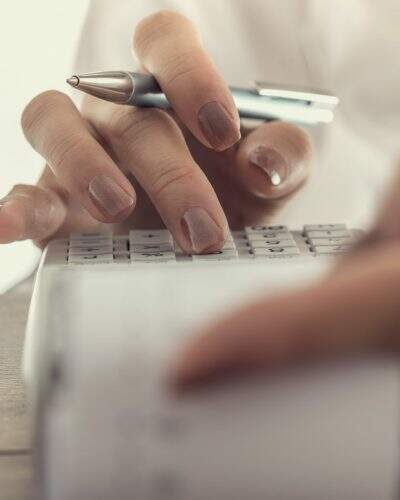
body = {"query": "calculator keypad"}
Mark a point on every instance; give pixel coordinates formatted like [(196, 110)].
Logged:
[(252, 243)]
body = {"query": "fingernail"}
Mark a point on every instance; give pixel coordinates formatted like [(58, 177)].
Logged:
[(271, 162), (202, 232), (108, 196), (219, 128)]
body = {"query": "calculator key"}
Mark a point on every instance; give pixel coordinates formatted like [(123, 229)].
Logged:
[(91, 251), (159, 236), (268, 243), (153, 257), (269, 235), (151, 247), (329, 241), (323, 227), (260, 229), (103, 248), (90, 236), (331, 250), (91, 259), (84, 243), (276, 252), (87, 242), (224, 254), (339, 233)]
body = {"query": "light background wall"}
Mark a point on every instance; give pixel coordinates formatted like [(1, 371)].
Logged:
[(37, 44)]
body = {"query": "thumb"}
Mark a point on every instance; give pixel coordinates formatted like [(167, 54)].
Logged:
[(353, 310)]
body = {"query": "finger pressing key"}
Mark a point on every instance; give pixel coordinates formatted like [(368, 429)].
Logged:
[(149, 143)]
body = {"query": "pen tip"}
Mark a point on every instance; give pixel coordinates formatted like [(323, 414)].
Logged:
[(73, 81)]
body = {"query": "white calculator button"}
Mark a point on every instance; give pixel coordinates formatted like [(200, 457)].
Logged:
[(159, 236), (324, 227), (277, 252), (91, 243), (336, 233), (329, 241), (224, 254), (331, 250), (91, 259), (151, 247), (269, 235), (258, 229), (87, 242), (93, 235), (268, 243), (153, 257), (91, 251)]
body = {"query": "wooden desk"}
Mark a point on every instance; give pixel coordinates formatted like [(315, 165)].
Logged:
[(16, 481)]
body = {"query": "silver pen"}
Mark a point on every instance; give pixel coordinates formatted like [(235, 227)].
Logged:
[(264, 101)]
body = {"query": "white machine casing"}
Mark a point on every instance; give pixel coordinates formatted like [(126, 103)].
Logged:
[(100, 341)]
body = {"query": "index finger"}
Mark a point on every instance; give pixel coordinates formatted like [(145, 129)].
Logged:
[(169, 46)]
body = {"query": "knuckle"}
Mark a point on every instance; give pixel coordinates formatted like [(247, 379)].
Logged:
[(131, 125), (38, 109), (180, 66), (66, 149), (158, 26), (171, 174)]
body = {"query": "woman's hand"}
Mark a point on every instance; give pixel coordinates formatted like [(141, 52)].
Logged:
[(130, 167), (354, 308)]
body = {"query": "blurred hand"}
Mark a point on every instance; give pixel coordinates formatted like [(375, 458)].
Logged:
[(131, 167), (353, 309)]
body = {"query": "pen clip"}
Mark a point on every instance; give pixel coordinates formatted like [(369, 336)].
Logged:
[(308, 96)]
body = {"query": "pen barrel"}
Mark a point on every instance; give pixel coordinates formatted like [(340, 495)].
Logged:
[(250, 104), (146, 92)]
